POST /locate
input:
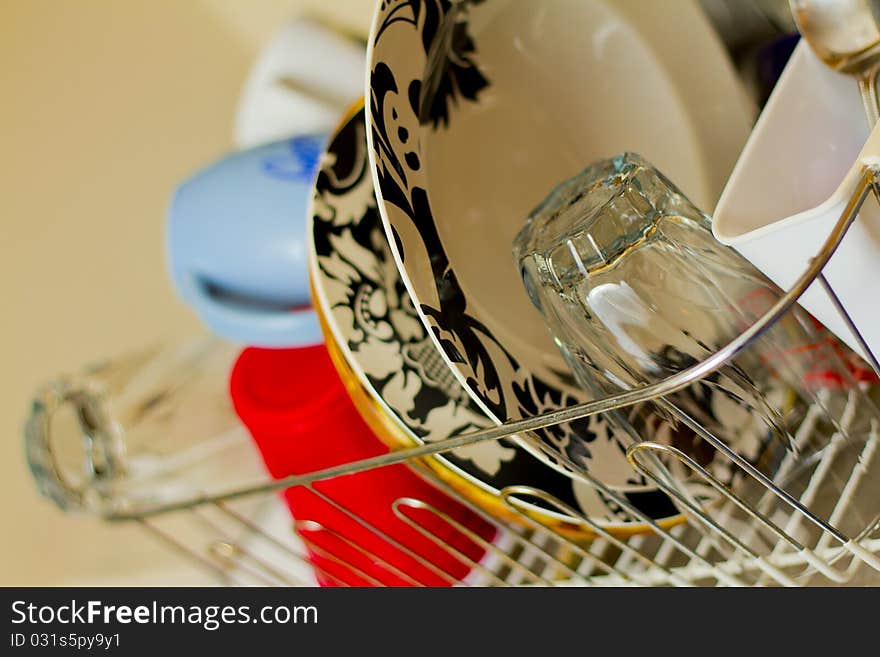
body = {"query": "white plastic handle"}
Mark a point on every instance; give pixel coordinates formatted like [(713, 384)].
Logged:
[(869, 156)]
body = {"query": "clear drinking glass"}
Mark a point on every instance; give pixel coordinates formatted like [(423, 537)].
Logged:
[(634, 288), (130, 435)]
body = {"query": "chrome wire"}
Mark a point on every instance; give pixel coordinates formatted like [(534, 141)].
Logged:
[(727, 540), (613, 402)]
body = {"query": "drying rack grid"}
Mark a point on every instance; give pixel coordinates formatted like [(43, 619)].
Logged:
[(131, 441)]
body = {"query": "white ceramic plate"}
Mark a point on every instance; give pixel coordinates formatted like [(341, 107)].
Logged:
[(477, 110), (372, 322)]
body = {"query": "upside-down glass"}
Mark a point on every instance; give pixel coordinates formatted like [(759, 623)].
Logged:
[(634, 288)]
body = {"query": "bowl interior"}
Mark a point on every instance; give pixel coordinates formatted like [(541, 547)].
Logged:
[(570, 83), (477, 111)]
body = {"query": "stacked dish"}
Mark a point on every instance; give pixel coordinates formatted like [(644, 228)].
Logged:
[(475, 110)]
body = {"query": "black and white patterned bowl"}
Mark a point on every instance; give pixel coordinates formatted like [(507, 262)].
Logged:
[(477, 109), (393, 370)]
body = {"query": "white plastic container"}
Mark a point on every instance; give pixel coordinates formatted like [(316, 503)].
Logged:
[(790, 185), (301, 83)]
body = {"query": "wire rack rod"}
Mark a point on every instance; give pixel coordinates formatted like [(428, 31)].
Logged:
[(752, 530)]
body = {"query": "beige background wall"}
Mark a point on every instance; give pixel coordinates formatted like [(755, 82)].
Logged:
[(104, 106)]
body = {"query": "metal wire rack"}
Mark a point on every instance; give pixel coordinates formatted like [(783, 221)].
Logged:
[(206, 500)]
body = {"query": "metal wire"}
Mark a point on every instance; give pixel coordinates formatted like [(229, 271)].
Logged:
[(753, 531)]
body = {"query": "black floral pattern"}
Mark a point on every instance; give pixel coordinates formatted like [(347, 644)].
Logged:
[(370, 307), (405, 103), (450, 71)]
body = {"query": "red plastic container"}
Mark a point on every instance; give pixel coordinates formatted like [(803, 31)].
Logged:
[(302, 420)]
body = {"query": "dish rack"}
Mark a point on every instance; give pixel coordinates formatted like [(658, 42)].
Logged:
[(139, 441)]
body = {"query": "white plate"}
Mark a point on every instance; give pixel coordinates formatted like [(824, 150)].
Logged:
[(516, 98), (370, 319)]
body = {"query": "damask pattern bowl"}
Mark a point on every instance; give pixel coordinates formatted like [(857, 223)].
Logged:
[(393, 370), (476, 110)]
